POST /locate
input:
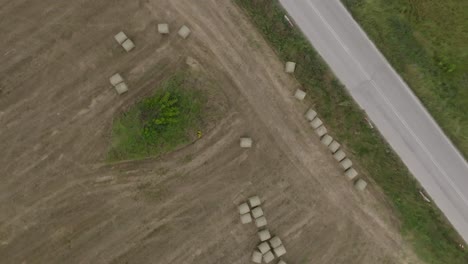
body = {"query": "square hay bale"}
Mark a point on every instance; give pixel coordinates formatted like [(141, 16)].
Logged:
[(264, 235), (246, 142), (115, 79), (351, 174), (275, 242), (346, 164), (299, 94), (320, 131), (326, 140), (281, 262), (257, 212), (360, 184), (246, 218), (244, 208), (339, 155), (316, 123), (254, 201), (121, 88), (120, 37), (256, 257), (289, 67), (268, 257), (163, 28), (310, 114), (261, 221), (184, 32), (334, 146), (263, 247), (279, 251), (128, 45)]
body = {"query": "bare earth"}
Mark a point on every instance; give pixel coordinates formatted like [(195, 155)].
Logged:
[(60, 202)]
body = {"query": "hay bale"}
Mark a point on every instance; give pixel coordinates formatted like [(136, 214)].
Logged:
[(261, 221), (281, 262), (244, 208), (310, 114), (120, 37), (246, 142), (339, 155), (279, 251), (257, 256), (334, 146), (257, 212), (275, 242), (322, 130), (326, 140), (316, 123), (184, 32), (128, 45), (264, 235), (351, 174), (360, 184), (163, 28), (299, 94), (254, 201), (246, 218), (121, 88), (290, 67), (268, 257), (346, 164), (263, 247), (115, 79)]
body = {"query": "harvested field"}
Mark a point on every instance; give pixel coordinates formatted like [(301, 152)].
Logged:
[(61, 202)]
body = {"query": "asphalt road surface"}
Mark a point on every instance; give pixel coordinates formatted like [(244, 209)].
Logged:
[(389, 103)]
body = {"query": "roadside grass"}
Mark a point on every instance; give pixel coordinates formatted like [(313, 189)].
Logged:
[(422, 224), (426, 42), (160, 123)]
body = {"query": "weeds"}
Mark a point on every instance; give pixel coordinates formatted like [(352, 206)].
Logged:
[(159, 123)]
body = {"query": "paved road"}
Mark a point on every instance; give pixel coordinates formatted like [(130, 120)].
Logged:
[(389, 103)]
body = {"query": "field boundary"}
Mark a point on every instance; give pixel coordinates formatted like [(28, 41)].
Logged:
[(422, 224)]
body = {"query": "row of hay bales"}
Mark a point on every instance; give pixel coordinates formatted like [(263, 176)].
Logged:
[(183, 32), (269, 247), (118, 83), (128, 45), (334, 146)]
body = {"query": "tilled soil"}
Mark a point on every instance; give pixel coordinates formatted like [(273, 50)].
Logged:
[(61, 202)]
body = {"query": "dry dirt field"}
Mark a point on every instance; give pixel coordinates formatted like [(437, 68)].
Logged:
[(60, 202)]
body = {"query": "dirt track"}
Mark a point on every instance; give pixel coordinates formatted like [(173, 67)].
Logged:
[(61, 203)]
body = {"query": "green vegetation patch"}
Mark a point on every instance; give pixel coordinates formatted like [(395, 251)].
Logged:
[(160, 123), (422, 224), (426, 42)]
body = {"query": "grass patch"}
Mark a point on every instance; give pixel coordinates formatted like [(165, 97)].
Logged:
[(160, 123), (422, 224), (425, 41)]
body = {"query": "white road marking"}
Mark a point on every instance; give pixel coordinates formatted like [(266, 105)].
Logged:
[(387, 101)]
